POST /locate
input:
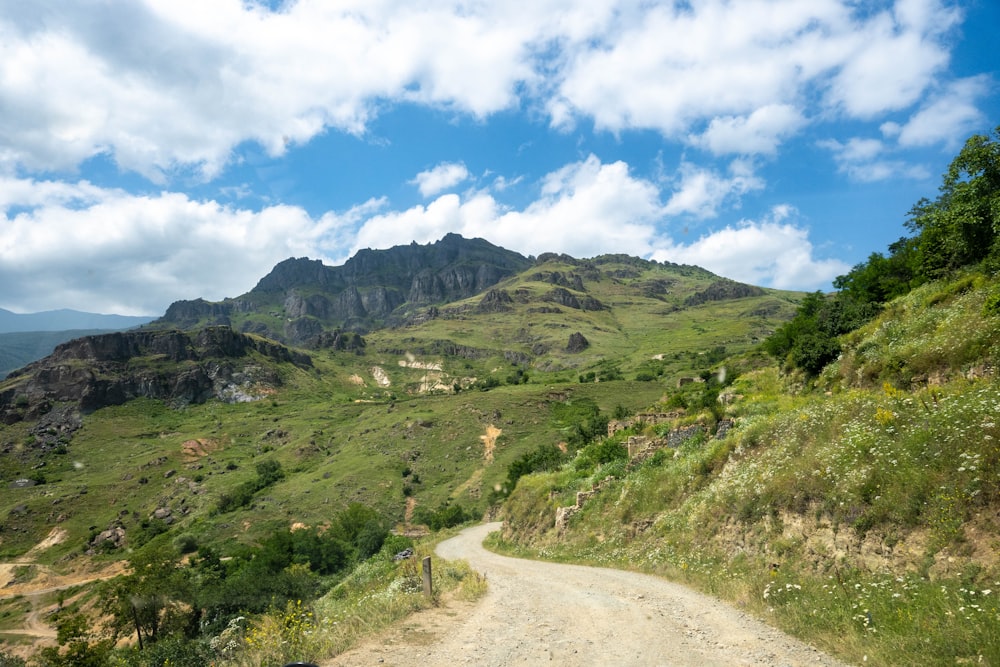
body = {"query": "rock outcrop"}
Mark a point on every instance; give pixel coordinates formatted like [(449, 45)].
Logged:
[(577, 343), (96, 371), (372, 289), (723, 290)]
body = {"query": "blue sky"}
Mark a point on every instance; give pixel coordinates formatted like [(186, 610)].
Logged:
[(159, 150)]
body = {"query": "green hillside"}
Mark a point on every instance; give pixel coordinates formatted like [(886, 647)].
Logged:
[(828, 462), (111, 453), (848, 491), (863, 518)]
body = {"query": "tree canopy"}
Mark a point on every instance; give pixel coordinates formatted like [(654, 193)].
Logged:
[(960, 229)]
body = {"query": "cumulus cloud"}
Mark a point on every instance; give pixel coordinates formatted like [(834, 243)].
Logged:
[(769, 252), (702, 192), (948, 116), (759, 133), (440, 178), (871, 160), (889, 60), (584, 208), (163, 86), (110, 251)]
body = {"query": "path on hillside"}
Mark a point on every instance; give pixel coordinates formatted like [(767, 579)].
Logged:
[(538, 613), (44, 581)]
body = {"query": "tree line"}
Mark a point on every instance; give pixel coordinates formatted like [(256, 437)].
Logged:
[(958, 230)]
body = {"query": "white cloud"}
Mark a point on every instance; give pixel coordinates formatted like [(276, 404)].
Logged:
[(866, 160), (948, 117), (890, 60), (702, 192), (768, 253), (758, 133), (585, 208), (440, 178), (163, 85), (75, 245)]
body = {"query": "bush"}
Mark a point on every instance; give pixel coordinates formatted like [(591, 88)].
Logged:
[(7, 660), (446, 516), (186, 544), (543, 457), (600, 453)]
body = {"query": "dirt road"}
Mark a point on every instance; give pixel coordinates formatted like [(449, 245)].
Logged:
[(539, 613)]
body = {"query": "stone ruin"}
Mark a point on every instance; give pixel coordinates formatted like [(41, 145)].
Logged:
[(640, 448)]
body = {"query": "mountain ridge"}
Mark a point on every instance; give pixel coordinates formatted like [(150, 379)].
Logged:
[(301, 298), (66, 319)]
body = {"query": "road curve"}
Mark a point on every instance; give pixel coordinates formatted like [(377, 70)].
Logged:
[(538, 613)]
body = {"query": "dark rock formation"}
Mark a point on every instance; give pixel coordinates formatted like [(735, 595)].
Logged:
[(577, 343), (723, 290), (496, 301), (372, 289), (97, 371), (566, 298), (571, 281)]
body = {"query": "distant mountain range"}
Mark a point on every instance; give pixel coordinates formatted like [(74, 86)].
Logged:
[(66, 320), (27, 337)]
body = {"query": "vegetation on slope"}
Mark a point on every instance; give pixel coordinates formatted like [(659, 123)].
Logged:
[(859, 509), (864, 520), (959, 230)]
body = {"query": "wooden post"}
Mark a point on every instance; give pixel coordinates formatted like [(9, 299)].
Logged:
[(428, 585)]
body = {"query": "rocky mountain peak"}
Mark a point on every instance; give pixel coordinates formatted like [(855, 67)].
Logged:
[(370, 290)]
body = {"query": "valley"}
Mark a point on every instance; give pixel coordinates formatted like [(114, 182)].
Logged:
[(609, 411)]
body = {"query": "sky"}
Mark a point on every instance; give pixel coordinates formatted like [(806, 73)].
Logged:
[(158, 150)]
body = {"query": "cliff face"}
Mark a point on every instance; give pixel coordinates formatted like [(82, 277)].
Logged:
[(311, 298), (96, 371)]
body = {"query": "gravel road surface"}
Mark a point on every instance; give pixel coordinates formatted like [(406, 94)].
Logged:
[(538, 613)]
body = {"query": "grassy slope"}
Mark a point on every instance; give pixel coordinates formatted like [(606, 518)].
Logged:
[(863, 519), (341, 436), (338, 450)]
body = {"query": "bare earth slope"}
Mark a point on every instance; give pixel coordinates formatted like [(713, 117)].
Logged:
[(539, 613)]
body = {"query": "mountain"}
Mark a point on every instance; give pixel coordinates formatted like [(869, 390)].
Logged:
[(28, 337), (471, 357), (301, 298), (93, 372), (65, 320), (20, 348)]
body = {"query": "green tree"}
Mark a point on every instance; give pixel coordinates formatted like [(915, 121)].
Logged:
[(960, 227), (76, 649), (153, 601)]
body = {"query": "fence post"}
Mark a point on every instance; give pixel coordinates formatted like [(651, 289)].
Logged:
[(428, 585)]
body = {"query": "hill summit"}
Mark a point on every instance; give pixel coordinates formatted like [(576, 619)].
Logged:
[(302, 298)]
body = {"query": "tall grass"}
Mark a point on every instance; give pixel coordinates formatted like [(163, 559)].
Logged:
[(862, 519), (376, 594)]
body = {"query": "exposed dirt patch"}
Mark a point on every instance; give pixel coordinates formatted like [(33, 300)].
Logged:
[(473, 485), (381, 377), (25, 577), (192, 450), (357, 380), (55, 536), (490, 442)]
